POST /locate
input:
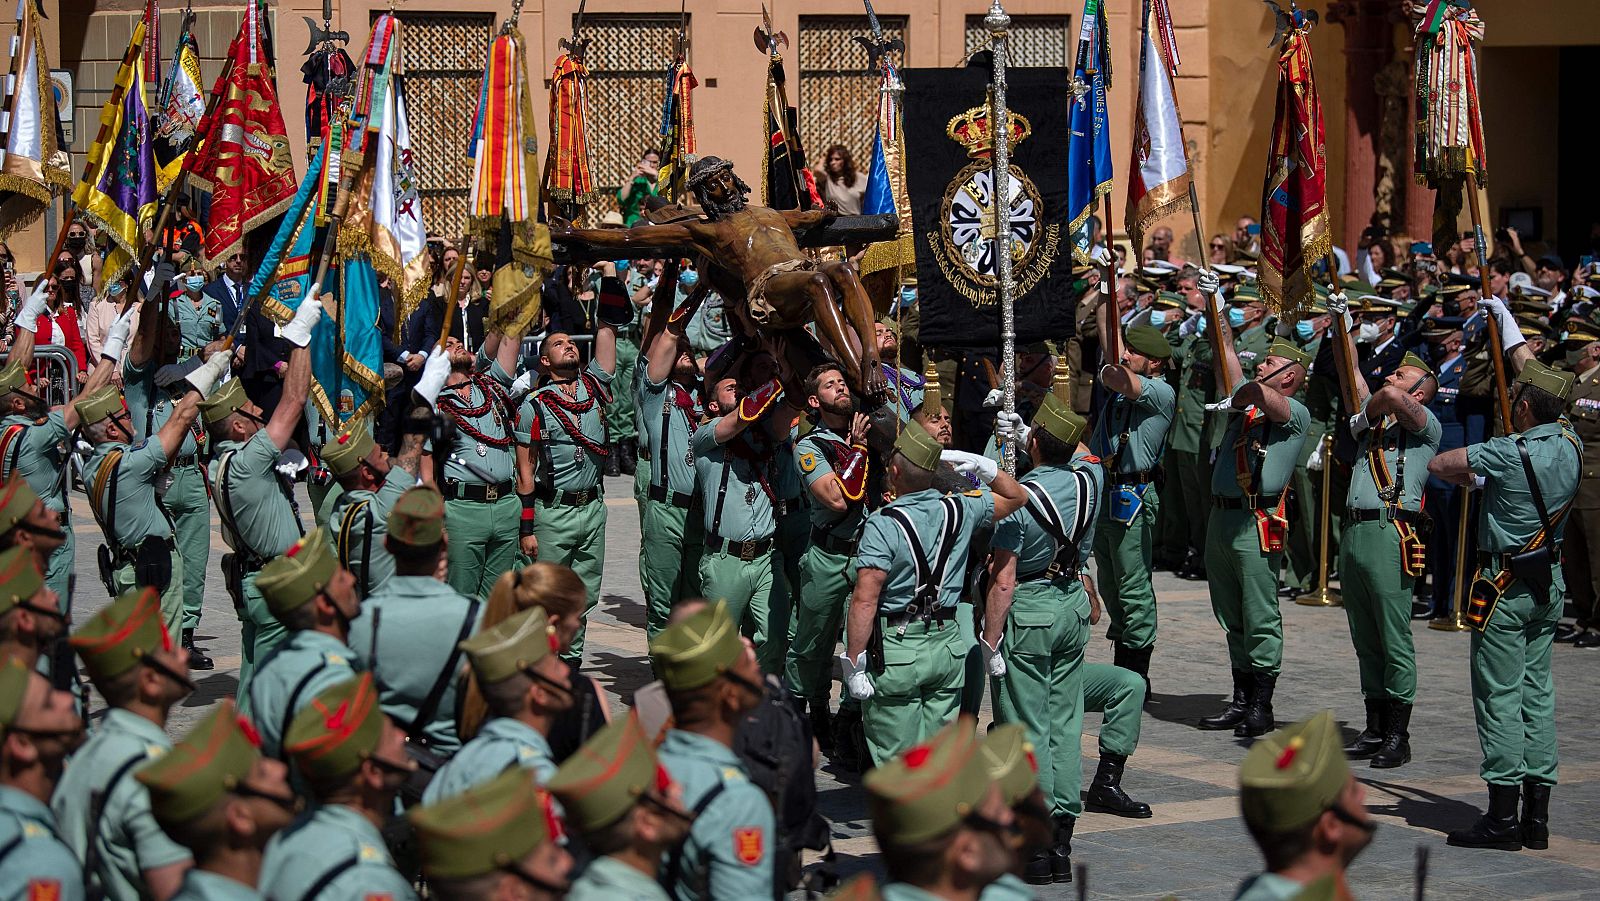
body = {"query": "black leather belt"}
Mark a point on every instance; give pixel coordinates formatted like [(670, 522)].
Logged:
[(188, 460), (574, 498), (1050, 574), (1142, 477), (681, 500), (912, 615), (845, 547), (127, 555), (786, 506), (1494, 563), (1260, 502), (1406, 516), (473, 491), (744, 550)]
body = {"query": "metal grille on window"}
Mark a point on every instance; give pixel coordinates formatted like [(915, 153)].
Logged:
[(628, 62), (1031, 41), (444, 56), (838, 96)]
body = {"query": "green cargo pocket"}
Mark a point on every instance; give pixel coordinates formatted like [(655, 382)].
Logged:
[(1029, 633)]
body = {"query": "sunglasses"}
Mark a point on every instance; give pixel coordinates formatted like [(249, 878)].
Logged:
[(1219, 246)]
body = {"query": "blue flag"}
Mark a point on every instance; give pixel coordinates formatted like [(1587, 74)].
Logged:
[(1089, 150), (879, 198)]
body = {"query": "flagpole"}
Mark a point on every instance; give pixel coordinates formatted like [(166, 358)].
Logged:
[(997, 23), (1497, 354)]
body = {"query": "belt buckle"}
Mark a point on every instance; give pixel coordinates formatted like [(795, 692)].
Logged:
[(491, 493)]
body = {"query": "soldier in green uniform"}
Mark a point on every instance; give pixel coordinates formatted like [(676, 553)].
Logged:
[(1189, 453), (255, 506), (198, 315), (1382, 553), (1008, 759), (1246, 531), (911, 564), (527, 687), (501, 839), (1119, 695), (358, 516), (562, 447), (1320, 394), (619, 798), (712, 680), (939, 818), (354, 760), (622, 427), (1304, 809), (1128, 436), (834, 462), (216, 794), (30, 619), (27, 524), (1036, 624), (316, 600), (905, 386), (34, 860), (408, 633), (103, 812), (1528, 479), (1583, 524)]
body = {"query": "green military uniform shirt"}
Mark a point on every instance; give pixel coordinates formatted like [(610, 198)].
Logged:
[(573, 465), (815, 455), (883, 544), (1009, 887), (358, 523), (667, 414), (129, 492), (708, 328), (1268, 887), (1417, 447), (34, 861), (737, 483), (39, 454), (1144, 420), (904, 891), (1074, 489), (1251, 346), (255, 495), (419, 627), (728, 853), (1195, 386), (609, 879), (126, 840), (197, 325), (285, 682), (1507, 518), (501, 744), (202, 885), (1281, 441), (498, 423), (138, 388), (331, 837)]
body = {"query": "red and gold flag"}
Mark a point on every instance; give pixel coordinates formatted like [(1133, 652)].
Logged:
[(1294, 217), (569, 169)]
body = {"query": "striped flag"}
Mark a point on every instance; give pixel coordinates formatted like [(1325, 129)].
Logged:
[(118, 192), (1089, 150), (32, 169), (1294, 203), (1159, 173)]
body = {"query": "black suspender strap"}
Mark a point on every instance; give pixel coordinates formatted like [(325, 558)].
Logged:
[(97, 806), (346, 523), (430, 705), (1547, 525), (1042, 508), (722, 492), (673, 871), (929, 572), (328, 875), (294, 704), (12, 845)]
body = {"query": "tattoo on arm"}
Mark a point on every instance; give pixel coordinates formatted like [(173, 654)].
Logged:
[(410, 456)]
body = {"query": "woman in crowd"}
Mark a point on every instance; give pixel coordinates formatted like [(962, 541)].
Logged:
[(839, 182)]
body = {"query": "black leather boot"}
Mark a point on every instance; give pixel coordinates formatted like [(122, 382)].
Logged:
[(613, 459), (1036, 871), (1258, 716), (1396, 750), (1498, 828), (1140, 660), (1061, 851), (1233, 714), (822, 725), (630, 456), (846, 750), (1371, 738), (1106, 794), (1535, 816), (197, 658)]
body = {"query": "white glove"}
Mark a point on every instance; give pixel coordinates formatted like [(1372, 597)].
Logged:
[(1283, 329), (1101, 255), (434, 372), (1510, 331), (1208, 283), (35, 306), (117, 335), (1359, 424), (298, 331), (1190, 325), (291, 468), (855, 676), (1339, 306), (1225, 405), (1314, 462), (995, 663), (207, 374), (971, 464), (1478, 482), (523, 383), (1011, 427), (994, 397)]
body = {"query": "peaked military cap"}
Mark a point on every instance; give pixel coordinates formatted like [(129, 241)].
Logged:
[(486, 828), (1246, 294), (917, 446), (304, 570), (1287, 351), (341, 727), (206, 765), (511, 645), (99, 404), (417, 518), (602, 780), (344, 452), (20, 578), (1290, 777), (1411, 359), (14, 678), (1541, 376), (930, 789), (119, 637), (223, 401), (699, 648), (1059, 420), (1008, 759), (1149, 341)]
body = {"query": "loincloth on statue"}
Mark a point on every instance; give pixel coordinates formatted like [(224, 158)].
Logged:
[(762, 312)]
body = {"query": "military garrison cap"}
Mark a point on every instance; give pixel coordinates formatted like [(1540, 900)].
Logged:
[(223, 401), (99, 404), (1290, 777), (1148, 341), (20, 578), (917, 446), (511, 646), (697, 649), (304, 570), (1060, 421), (1289, 352), (417, 518), (341, 727), (199, 771), (488, 827), (1411, 359), (930, 789), (119, 637), (12, 377), (1008, 758), (602, 780), (861, 887), (1541, 376), (16, 501), (346, 451), (14, 678)]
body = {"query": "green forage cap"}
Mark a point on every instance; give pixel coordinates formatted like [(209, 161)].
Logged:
[(697, 649), (12, 377), (223, 401), (304, 570), (341, 727), (916, 445), (20, 578), (199, 771), (862, 887), (417, 518), (1290, 777), (602, 780), (927, 791), (1554, 381), (511, 646), (1411, 359), (889, 323), (1008, 758), (14, 678), (16, 501), (1148, 341), (345, 451), (486, 828), (1059, 420), (1289, 352), (99, 404), (117, 638)]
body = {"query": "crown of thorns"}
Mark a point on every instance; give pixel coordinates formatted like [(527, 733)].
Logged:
[(704, 168)]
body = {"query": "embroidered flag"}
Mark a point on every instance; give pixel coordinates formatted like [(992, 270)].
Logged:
[(33, 169), (1449, 129), (886, 182), (1294, 215), (569, 169), (118, 192), (677, 131), (179, 108), (1089, 150), (1158, 167)]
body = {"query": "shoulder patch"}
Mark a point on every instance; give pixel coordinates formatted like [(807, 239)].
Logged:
[(335, 659), (748, 845), (808, 462), (44, 890), (976, 492), (373, 854)]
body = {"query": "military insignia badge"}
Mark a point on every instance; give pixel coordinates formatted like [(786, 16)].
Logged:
[(44, 890), (808, 463), (747, 845)]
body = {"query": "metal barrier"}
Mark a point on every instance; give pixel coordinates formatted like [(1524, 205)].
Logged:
[(59, 368)]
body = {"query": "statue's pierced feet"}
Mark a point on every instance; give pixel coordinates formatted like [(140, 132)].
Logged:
[(873, 383)]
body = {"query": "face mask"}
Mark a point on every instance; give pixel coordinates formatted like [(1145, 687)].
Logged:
[(1304, 330), (194, 282), (1158, 318), (1200, 323), (77, 242), (114, 289), (908, 296), (1235, 317), (689, 279), (1367, 333), (622, 266)]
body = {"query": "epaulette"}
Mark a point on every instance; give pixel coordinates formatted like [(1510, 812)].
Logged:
[(753, 405)]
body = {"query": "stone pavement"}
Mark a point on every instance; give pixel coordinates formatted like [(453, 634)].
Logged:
[(1195, 847)]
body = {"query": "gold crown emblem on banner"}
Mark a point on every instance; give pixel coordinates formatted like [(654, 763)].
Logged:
[(974, 130)]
